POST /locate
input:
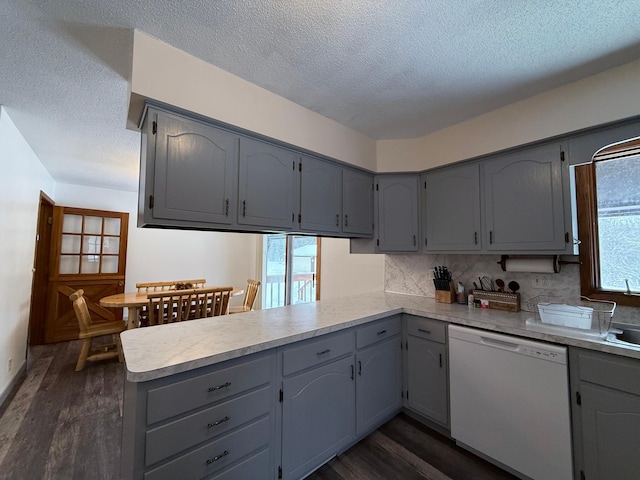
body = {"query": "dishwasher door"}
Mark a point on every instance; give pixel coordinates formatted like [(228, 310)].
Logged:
[(510, 402)]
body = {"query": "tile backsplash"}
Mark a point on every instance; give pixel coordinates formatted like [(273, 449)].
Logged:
[(413, 275)]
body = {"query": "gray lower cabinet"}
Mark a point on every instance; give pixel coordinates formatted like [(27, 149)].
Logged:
[(318, 402), (606, 415), (216, 420), (379, 373), (267, 185), (397, 227), (427, 369), (189, 173), (451, 209), (523, 198), (357, 203)]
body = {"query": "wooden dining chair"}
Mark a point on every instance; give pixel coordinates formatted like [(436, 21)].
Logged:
[(180, 305), (89, 330), (149, 287), (249, 297)]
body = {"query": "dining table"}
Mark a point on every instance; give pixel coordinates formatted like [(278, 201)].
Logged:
[(134, 301)]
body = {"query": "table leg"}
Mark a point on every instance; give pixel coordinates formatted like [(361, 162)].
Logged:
[(132, 321)]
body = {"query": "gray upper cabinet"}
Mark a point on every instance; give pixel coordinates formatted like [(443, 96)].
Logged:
[(194, 170), (357, 202), (523, 201), (320, 196), (397, 213), (268, 185), (451, 206)]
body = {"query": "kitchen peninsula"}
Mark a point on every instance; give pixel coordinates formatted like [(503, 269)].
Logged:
[(181, 378)]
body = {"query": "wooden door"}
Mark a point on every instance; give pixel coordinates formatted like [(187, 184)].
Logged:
[(40, 281), (88, 251)]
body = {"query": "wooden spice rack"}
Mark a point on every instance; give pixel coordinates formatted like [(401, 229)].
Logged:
[(509, 302)]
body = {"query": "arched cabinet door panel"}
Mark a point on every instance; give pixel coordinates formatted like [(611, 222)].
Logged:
[(195, 171), (268, 185)]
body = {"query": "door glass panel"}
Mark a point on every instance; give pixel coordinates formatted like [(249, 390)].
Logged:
[(274, 251), (70, 244), (91, 244), (110, 245), (90, 264), (69, 264), (72, 223), (93, 225), (303, 261), (111, 226), (110, 264)]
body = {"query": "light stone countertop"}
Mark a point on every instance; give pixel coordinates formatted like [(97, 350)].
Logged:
[(160, 351)]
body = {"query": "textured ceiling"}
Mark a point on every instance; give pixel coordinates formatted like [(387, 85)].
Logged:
[(389, 69)]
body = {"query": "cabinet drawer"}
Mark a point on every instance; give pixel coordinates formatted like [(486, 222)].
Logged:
[(182, 396), (173, 437), (215, 455), (317, 352), (610, 371), (433, 330), (256, 468), (377, 331)]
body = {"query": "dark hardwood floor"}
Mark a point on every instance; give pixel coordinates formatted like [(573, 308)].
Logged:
[(63, 424)]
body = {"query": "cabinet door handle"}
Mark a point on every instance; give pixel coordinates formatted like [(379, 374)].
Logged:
[(337, 220), (226, 207), (244, 208), (359, 367), (217, 457), (475, 237), (490, 236), (351, 372), (414, 240), (324, 352), (219, 387), (440, 360), (346, 220), (218, 422)]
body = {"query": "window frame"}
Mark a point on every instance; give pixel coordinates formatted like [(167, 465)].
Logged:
[(587, 216)]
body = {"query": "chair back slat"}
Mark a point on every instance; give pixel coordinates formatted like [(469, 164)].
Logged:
[(81, 309), (179, 305), (250, 294), (146, 287)]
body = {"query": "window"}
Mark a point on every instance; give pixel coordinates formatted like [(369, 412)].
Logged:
[(608, 204), (291, 270)]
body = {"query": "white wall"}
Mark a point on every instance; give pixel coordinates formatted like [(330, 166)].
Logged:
[(192, 84), (160, 254), (22, 179), (344, 274), (606, 97)]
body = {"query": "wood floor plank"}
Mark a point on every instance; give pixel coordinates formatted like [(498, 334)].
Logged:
[(18, 407)]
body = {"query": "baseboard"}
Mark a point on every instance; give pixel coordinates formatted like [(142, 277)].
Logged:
[(13, 386)]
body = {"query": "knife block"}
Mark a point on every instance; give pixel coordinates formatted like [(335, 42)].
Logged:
[(446, 296)]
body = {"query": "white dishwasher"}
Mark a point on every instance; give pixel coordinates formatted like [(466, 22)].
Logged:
[(510, 402)]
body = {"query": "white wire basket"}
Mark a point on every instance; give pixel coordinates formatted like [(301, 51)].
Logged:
[(586, 318)]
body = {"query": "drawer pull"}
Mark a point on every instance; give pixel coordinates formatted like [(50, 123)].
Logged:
[(224, 385), (324, 352), (217, 457), (382, 332), (428, 332), (359, 367), (218, 422)]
